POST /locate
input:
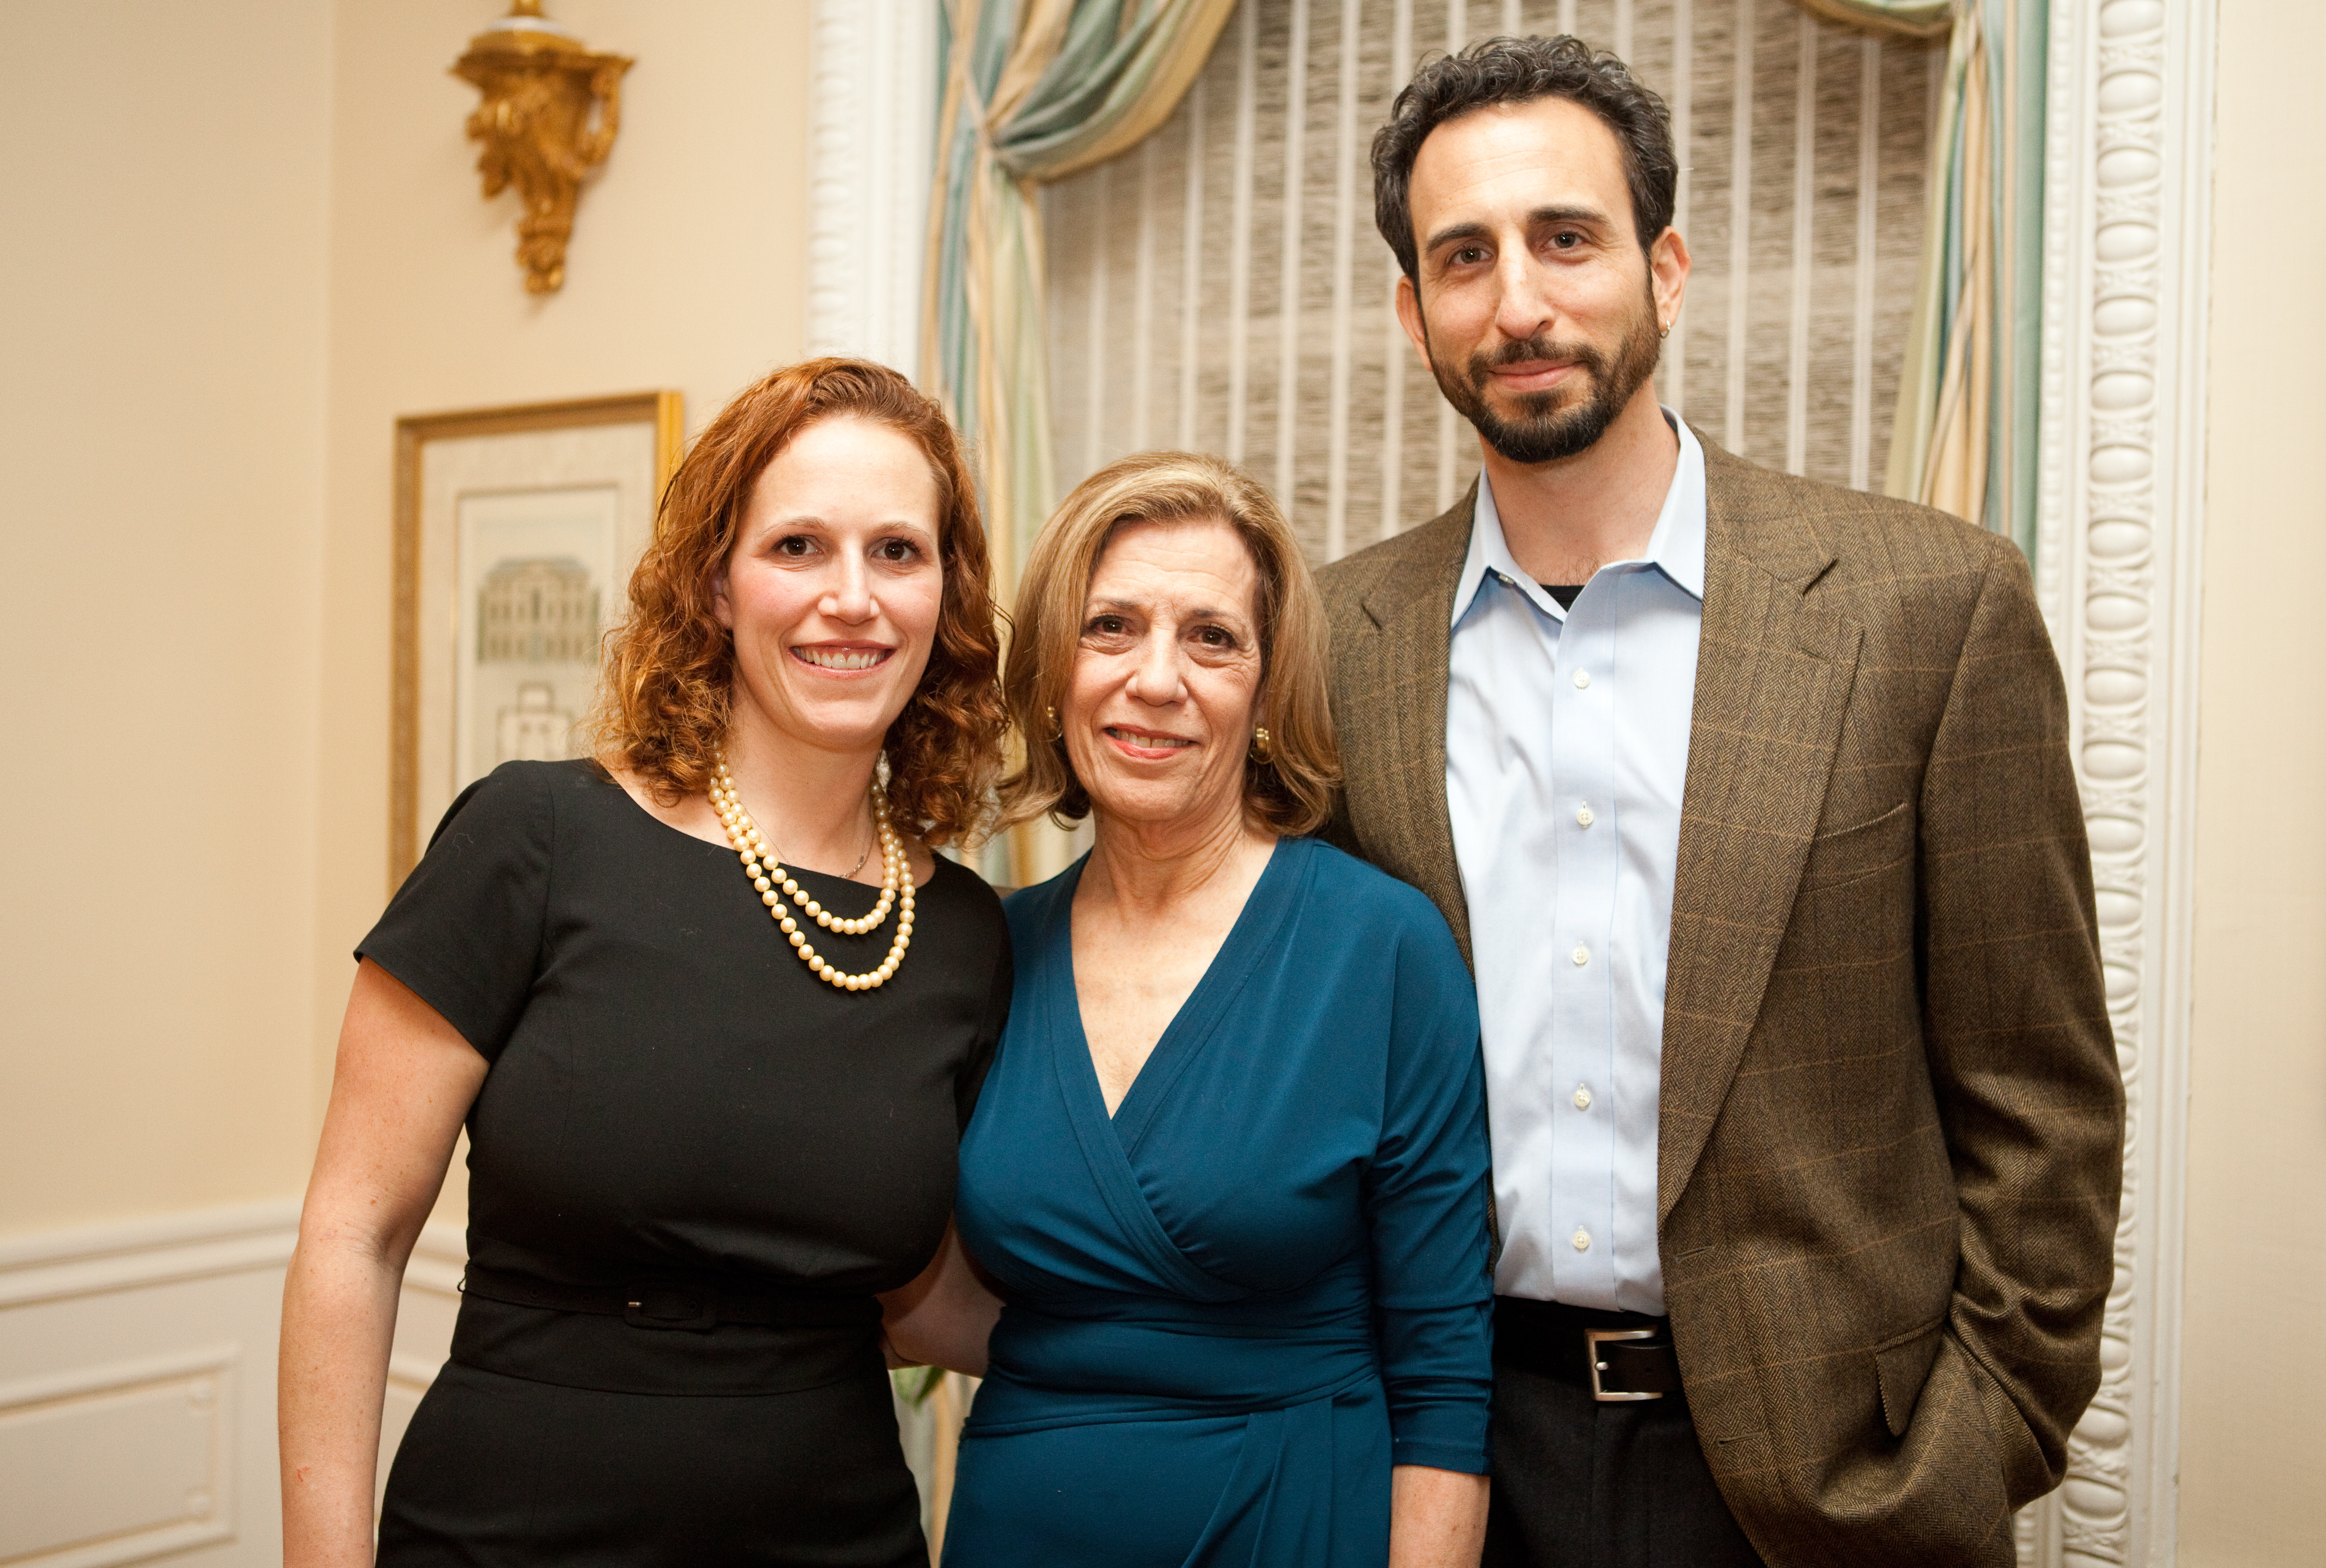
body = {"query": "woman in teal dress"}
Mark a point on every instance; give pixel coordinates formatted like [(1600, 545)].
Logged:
[(1229, 1172)]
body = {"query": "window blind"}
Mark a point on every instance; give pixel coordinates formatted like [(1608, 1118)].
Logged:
[(1221, 287)]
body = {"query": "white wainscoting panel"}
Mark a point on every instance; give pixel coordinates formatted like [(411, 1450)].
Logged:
[(138, 1390), (137, 1385), (117, 1461)]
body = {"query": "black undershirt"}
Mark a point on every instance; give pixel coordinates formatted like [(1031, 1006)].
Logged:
[(1564, 593)]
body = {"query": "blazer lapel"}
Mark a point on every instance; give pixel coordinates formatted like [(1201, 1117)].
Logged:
[(1772, 684), (1402, 781)]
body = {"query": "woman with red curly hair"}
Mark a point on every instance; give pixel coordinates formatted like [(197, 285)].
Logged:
[(713, 1015)]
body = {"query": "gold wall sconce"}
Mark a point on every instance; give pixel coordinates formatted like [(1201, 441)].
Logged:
[(540, 85)]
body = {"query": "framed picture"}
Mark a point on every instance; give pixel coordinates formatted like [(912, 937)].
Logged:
[(515, 532)]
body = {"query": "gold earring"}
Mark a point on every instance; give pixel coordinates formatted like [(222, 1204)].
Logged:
[(1057, 731), (1263, 746), (1667, 330)]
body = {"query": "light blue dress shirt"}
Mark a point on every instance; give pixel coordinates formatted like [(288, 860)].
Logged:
[(1566, 756)]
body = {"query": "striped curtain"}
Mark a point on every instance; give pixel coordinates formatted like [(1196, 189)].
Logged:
[(1966, 434), (1068, 86), (1033, 90), (1220, 286), (1038, 90)]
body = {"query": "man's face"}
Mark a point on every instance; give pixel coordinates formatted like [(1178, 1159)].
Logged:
[(1535, 307)]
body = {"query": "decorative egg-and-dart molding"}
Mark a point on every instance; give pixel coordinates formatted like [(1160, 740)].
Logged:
[(542, 90), (2130, 102)]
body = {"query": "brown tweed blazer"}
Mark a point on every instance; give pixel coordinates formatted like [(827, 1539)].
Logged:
[(1890, 1149)]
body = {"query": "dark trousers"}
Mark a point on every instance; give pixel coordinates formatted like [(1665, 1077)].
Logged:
[(1582, 1484)]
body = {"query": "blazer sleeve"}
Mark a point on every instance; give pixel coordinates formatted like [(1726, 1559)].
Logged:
[(1426, 1198), (2022, 1056)]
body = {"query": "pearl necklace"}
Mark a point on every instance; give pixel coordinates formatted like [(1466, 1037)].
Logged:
[(896, 887)]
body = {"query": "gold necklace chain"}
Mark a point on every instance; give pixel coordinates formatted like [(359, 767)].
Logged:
[(773, 884)]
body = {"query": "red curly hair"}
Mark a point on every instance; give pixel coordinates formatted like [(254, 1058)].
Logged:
[(668, 689)]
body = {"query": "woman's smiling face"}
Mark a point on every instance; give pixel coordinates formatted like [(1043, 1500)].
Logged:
[(1158, 710), (834, 584)]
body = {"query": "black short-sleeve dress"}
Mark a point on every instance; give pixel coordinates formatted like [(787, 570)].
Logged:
[(692, 1164)]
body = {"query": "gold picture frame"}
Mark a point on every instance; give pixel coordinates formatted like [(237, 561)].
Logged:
[(515, 532)]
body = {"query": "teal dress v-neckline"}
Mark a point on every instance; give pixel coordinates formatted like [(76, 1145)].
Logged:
[(1191, 1029), (1247, 937), (1237, 1302)]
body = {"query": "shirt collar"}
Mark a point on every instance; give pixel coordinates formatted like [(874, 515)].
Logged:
[(1676, 547)]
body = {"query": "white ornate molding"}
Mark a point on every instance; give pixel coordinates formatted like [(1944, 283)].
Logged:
[(2128, 181), (873, 71), (134, 1253)]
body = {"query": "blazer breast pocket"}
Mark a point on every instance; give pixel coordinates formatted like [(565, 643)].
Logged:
[(1851, 854)]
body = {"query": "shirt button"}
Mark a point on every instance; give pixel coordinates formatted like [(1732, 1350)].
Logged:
[(1582, 956), (1581, 1239), (1583, 818), (1582, 679), (1583, 1097)]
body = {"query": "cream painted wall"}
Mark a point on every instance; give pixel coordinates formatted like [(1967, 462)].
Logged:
[(688, 269), (236, 242), (162, 232), (2253, 1439)]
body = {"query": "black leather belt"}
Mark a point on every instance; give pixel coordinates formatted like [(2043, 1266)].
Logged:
[(1620, 1357), (696, 1303)]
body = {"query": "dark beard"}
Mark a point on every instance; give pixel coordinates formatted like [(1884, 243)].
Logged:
[(1544, 431)]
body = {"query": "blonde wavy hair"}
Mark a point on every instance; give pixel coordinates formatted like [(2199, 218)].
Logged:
[(668, 688), (1292, 793)]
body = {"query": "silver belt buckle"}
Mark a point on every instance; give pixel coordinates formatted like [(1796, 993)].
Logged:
[(1593, 1339)]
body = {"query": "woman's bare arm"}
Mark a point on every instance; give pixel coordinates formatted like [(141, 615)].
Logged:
[(403, 1085), (943, 1318), (1436, 1517)]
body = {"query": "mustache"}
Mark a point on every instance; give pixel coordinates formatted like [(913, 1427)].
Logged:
[(1537, 347)]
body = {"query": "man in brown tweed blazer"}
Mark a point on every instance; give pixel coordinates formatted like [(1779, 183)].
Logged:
[(1884, 1123)]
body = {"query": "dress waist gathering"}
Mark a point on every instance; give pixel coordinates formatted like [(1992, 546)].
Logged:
[(1153, 1362), (1256, 1429)]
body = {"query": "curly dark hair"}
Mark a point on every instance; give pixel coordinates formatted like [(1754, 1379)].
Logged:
[(1520, 70), (668, 689)]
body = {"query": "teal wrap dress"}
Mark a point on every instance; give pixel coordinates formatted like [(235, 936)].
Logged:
[(1232, 1306)]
